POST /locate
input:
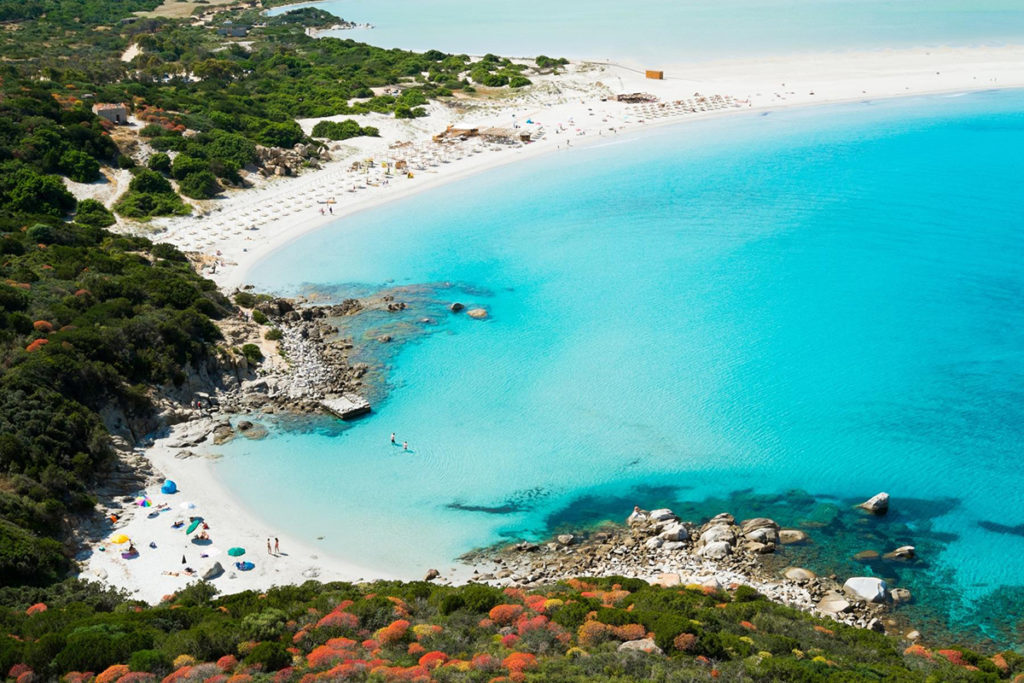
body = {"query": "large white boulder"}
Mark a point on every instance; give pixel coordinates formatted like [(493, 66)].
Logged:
[(866, 588), (717, 533), (716, 550), (662, 515)]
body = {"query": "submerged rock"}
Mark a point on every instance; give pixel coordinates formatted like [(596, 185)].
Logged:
[(792, 536), (477, 313)]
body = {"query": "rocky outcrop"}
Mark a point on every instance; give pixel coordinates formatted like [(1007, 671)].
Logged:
[(278, 161), (659, 547), (877, 504)]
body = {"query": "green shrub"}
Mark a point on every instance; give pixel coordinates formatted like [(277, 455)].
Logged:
[(185, 165), (160, 162), (149, 182), (79, 166), (199, 185), (245, 299), (151, 661), (274, 334), (518, 82), (93, 213), (252, 354), (271, 656), (342, 130), (260, 318)]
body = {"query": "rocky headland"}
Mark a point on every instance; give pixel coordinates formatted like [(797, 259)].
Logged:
[(663, 549)]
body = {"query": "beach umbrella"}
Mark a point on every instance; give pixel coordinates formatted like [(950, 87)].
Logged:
[(119, 539), (195, 524), (145, 502), (169, 487), (187, 506), (236, 552)]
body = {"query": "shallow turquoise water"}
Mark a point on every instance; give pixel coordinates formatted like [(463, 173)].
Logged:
[(674, 31), (827, 299)]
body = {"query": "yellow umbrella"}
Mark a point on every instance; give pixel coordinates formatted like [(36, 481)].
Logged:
[(120, 538)]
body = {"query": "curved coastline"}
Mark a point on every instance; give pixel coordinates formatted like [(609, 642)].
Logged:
[(893, 74), (235, 514)]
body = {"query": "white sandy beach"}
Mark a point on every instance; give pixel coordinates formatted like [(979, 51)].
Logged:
[(568, 110), (158, 571)]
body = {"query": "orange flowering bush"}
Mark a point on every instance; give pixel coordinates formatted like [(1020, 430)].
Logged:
[(685, 642), (113, 673), (505, 614), (918, 651), (510, 640), (520, 661), (339, 619), (36, 345), (416, 649), (629, 632), (35, 609), (433, 659), (954, 657), (526, 624), (393, 632), (592, 633), (227, 663), (747, 625)]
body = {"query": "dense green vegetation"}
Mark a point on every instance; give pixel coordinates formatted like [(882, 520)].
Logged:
[(62, 56), (88, 321), (389, 631), (342, 130)]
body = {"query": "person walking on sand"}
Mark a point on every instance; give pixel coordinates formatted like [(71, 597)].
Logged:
[(277, 546), (269, 551)]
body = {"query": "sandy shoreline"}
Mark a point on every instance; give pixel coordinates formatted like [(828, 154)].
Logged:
[(149, 576), (571, 112)]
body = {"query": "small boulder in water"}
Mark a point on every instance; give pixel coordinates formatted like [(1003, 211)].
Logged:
[(477, 313), (456, 307), (877, 504), (905, 552)]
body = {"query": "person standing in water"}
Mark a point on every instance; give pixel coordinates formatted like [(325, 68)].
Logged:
[(392, 437), (405, 446)]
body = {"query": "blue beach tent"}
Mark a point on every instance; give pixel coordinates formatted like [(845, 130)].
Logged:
[(169, 487)]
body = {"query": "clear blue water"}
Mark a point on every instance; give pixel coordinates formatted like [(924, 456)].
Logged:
[(669, 32), (828, 299)]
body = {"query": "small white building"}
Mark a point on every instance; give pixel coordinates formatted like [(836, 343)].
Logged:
[(115, 113)]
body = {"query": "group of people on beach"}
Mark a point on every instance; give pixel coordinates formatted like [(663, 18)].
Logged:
[(276, 547)]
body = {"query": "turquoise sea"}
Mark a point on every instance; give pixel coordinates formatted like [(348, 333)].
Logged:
[(666, 32), (713, 316)]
